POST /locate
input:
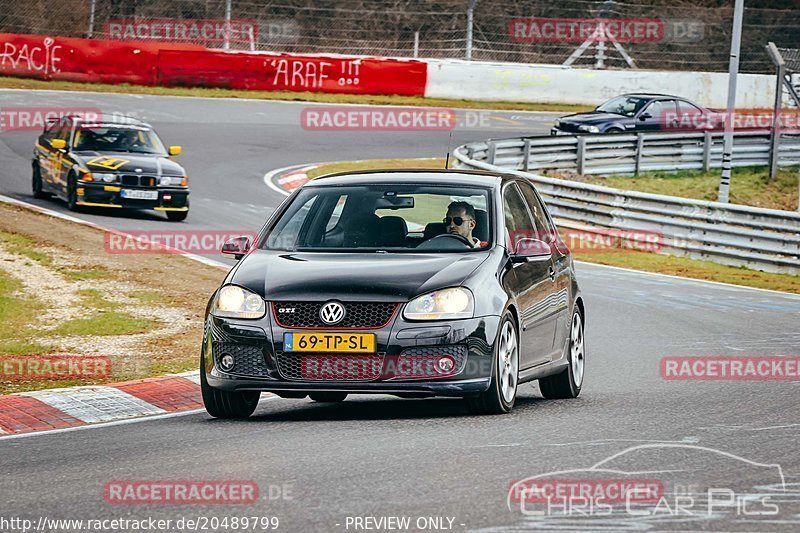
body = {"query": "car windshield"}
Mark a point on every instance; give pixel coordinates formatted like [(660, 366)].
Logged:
[(114, 138), (393, 218), (626, 106)]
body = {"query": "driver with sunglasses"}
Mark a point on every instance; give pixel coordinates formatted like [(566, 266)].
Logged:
[(460, 220)]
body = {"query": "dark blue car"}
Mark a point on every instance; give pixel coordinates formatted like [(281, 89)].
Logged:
[(635, 113)]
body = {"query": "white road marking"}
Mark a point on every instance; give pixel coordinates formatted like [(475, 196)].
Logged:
[(122, 422), (191, 375), (63, 216), (95, 404)]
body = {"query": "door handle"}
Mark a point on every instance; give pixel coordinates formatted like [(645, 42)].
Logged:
[(552, 274)]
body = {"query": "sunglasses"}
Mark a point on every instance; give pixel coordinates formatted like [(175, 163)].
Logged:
[(456, 220)]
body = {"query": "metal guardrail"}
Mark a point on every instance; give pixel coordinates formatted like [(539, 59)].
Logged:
[(633, 153), (763, 239)]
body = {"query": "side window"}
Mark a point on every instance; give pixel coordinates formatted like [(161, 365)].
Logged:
[(287, 234), (543, 226), (518, 222), (658, 110)]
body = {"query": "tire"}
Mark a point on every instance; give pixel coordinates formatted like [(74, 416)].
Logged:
[(226, 404), (328, 397), (568, 383), (612, 131), (72, 194), (502, 392), (177, 216), (36, 183)]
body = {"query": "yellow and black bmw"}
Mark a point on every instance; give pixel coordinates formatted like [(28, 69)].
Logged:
[(118, 163)]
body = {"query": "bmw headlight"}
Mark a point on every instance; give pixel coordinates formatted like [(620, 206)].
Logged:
[(235, 302), (106, 178), (589, 129), (171, 181), (456, 302)]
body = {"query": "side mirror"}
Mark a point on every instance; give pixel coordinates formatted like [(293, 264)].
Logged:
[(237, 247), (645, 116), (531, 250), (58, 144), (175, 150)]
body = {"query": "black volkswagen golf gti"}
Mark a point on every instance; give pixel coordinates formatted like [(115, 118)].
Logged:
[(411, 283)]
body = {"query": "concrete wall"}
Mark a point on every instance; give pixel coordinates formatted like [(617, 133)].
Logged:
[(555, 84)]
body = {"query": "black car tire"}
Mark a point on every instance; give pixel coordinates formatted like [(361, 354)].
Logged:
[(36, 183), (563, 385), (328, 397), (612, 131), (226, 404), (491, 401), (72, 193), (177, 216)]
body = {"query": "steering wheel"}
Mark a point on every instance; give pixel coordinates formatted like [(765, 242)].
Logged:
[(458, 237)]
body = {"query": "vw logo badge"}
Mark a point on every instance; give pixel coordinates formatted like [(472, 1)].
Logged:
[(331, 313)]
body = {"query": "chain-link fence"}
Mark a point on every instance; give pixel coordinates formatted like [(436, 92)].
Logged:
[(686, 34)]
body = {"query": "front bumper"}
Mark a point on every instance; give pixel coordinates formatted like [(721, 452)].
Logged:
[(404, 362), (105, 195)]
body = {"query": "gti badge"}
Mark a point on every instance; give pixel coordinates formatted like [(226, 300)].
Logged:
[(331, 313)]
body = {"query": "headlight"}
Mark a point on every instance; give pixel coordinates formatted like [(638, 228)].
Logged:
[(172, 181), (236, 302), (99, 177), (439, 305), (589, 129)]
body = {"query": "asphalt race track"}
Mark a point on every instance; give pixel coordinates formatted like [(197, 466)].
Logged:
[(319, 464)]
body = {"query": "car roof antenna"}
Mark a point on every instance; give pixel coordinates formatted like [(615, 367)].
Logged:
[(447, 159)]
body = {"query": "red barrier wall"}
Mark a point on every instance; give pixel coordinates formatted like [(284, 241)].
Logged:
[(86, 60)]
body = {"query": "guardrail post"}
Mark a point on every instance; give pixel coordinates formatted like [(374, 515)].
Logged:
[(708, 142), (581, 154), (639, 149), (526, 155), (492, 152)]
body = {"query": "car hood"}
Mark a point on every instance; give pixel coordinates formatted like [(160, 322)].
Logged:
[(126, 162), (593, 117), (351, 276)]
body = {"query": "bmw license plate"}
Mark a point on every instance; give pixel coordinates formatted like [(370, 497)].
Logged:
[(133, 194), (329, 342)]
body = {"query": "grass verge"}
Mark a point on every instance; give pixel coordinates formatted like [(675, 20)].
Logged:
[(75, 298), (105, 323), (749, 185), (329, 98), (633, 259)]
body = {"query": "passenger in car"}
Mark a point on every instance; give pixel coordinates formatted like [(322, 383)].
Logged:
[(461, 220)]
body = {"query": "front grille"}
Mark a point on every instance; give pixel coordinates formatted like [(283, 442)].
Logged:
[(358, 315), (249, 360), (330, 367), (568, 126), (138, 181)]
